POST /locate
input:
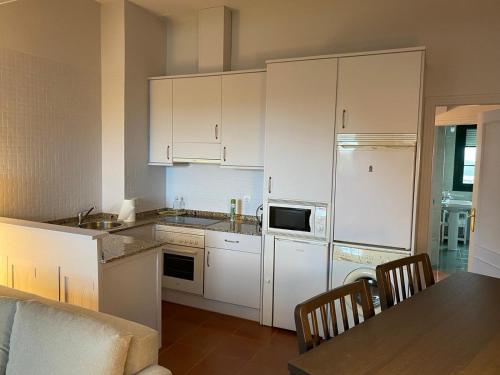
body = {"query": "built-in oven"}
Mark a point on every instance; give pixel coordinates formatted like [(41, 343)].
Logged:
[(297, 219), (183, 258)]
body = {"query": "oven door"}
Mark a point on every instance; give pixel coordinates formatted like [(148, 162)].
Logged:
[(183, 268), (291, 219)]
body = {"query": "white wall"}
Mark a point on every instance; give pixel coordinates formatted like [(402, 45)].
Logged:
[(113, 104), (145, 53), (134, 47), (210, 187), (50, 159), (461, 36)]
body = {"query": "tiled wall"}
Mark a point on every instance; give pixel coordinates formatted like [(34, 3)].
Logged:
[(49, 137), (210, 187)]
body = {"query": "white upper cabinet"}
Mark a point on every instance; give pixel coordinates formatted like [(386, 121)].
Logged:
[(243, 117), (160, 124), (197, 117), (379, 93), (300, 123)]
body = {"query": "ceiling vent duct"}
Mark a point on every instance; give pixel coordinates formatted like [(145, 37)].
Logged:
[(214, 40)]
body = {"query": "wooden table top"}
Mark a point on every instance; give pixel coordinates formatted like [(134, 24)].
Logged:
[(452, 327)]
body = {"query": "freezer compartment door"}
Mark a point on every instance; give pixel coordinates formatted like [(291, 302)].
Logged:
[(374, 192), (300, 272)]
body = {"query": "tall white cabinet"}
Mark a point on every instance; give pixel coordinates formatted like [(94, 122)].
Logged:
[(300, 123), (379, 93)]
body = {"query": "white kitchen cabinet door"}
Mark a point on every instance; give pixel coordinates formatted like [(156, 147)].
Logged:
[(79, 291), (4, 267), (197, 110), (379, 93), (300, 273), (29, 277), (300, 122), (160, 123), (374, 196), (243, 119), (232, 277)]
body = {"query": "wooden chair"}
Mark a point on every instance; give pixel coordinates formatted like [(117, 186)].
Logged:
[(403, 278), (328, 304)]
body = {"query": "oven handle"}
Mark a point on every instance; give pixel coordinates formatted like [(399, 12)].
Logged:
[(180, 252)]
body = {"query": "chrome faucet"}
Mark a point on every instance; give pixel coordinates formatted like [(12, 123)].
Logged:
[(82, 215)]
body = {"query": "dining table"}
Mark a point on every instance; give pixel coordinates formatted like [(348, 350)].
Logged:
[(452, 327)]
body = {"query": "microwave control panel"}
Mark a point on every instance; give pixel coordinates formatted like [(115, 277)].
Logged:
[(320, 222)]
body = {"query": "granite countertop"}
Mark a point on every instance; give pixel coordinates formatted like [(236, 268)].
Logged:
[(240, 227), (116, 246)]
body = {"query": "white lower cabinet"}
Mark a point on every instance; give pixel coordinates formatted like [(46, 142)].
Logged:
[(78, 290), (233, 276), (30, 277)]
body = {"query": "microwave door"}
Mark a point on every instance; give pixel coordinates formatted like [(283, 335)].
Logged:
[(291, 219)]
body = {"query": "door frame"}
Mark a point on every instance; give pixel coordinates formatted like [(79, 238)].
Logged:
[(427, 153)]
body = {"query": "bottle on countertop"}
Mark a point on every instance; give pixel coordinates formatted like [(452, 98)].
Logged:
[(232, 211), (177, 203), (182, 204)]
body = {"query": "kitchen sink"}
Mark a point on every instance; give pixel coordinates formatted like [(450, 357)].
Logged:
[(101, 225)]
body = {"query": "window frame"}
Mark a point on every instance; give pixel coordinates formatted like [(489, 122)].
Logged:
[(458, 164)]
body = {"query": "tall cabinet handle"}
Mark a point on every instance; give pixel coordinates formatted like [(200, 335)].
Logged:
[(224, 153), (208, 259), (343, 118), (216, 131), (269, 185), (168, 152)]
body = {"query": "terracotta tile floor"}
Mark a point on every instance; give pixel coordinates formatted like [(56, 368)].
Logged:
[(202, 342)]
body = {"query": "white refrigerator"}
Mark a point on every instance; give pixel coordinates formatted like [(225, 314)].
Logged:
[(374, 190)]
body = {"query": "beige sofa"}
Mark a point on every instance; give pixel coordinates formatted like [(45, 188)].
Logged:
[(47, 337)]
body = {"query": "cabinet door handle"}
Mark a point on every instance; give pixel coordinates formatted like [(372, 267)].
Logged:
[(343, 118), (269, 185), (231, 241), (168, 152), (216, 131), (208, 259), (224, 153)]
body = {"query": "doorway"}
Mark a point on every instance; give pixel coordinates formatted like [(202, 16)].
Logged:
[(455, 141)]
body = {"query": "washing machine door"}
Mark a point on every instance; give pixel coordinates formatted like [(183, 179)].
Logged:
[(370, 276)]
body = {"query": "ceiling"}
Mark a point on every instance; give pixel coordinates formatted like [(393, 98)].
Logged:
[(168, 7)]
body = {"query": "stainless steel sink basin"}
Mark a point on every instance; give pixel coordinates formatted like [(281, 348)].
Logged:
[(101, 225)]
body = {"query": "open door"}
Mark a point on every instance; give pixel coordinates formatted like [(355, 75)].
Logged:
[(484, 253)]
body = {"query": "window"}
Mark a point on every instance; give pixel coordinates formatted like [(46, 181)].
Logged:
[(465, 158)]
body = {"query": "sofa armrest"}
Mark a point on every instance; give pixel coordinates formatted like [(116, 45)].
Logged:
[(154, 370)]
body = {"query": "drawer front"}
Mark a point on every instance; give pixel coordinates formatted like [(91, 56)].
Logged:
[(233, 241)]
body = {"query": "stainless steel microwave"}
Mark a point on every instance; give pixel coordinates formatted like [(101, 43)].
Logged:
[(297, 219)]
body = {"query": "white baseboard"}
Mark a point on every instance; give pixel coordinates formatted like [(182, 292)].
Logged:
[(200, 302)]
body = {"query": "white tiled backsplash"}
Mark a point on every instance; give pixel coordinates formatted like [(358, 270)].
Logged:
[(210, 187), (49, 137)]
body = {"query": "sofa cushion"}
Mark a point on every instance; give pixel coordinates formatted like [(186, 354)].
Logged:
[(143, 350), (7, 312), (46, 340)]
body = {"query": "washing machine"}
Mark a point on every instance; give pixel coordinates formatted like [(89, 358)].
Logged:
[(351, 263)]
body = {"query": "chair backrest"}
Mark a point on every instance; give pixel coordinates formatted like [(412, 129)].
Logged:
[(331, 320), (402, 278)]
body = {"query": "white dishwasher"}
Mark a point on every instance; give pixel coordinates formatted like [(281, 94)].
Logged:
[(300, 272)]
